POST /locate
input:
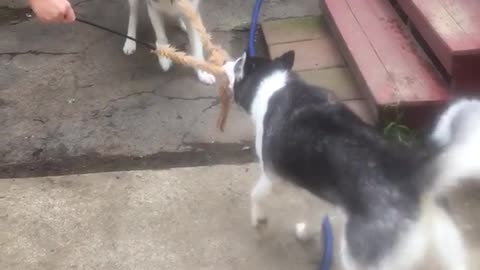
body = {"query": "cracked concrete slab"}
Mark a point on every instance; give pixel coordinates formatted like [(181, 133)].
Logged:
[(183, 218), (171, 219), (68, 91)]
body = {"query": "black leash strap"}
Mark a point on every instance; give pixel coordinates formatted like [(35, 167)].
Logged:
[(147, 45)]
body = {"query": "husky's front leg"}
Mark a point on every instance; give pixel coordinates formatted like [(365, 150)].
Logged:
[(130, 46), (159, 27), (452, 256), (258, 196)]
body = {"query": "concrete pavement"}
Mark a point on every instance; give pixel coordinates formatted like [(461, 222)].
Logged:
[(184, 218), (191, 218)]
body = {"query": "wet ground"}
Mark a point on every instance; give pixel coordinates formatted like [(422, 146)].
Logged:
[(72, 102)]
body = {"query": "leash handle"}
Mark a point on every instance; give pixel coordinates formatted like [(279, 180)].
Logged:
[(145, 44)]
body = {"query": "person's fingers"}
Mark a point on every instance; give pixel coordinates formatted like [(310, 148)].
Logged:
[(69, 15)]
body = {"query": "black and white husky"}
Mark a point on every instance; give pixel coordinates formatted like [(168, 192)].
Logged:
[(388, 192), (157, 10)]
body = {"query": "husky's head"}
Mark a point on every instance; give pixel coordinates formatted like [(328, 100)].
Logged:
[(245, 73)]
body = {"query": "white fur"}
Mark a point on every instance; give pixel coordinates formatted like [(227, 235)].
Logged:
[(269, 86), (458, 164), (266, 89), (301, 231), (346, 259), (434, 231), (131, 46), (156, 11), (442, 132), (258, 196), (458, 131), (452, 121), (447, 241)]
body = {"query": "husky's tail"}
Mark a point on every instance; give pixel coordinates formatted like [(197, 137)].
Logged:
[(457, 133)]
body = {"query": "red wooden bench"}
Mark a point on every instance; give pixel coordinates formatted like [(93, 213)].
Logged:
[(383, 56), (451, 29)]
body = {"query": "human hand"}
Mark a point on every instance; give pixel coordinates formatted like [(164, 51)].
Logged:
[(55, 11)]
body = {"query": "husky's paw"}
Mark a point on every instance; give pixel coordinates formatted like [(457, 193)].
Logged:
[(165, 63), (205, 77), (259, 220), (301, 231), (129, 47), (260, 224)]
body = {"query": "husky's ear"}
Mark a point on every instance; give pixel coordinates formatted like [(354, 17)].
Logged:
[(287, 59), (238, 69), (235, 70)]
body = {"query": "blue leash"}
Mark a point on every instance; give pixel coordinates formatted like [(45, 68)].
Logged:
[(253, 27), (327, 256)]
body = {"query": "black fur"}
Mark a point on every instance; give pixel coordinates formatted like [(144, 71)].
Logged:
[(316, 142)]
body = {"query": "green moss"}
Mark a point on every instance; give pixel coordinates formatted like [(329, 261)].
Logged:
[(395, 129), (400, 133)]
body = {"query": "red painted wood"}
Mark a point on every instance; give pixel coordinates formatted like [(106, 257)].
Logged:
[(382, 54), (358, 45), (466, 14), (451, 29)]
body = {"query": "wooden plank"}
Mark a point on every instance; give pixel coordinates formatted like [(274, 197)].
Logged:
[(382, 53), (413, 77), (434, 41), (339, 80), (466, 14), (451, 28), (310, 54), (361, 56), (434, 20), (294, 29)]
